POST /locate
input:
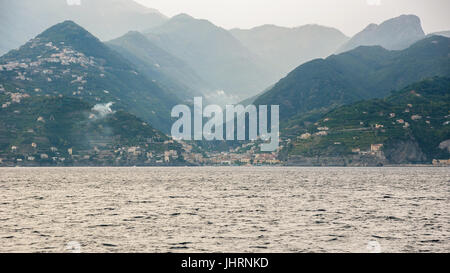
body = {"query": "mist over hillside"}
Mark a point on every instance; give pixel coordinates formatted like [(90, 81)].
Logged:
[(148, 63), (159, 65), (68, 60), (219, 58), (286, 48), (22, 20), (363, 73)]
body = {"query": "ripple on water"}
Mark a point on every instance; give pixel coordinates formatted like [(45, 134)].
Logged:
[(224, 209)]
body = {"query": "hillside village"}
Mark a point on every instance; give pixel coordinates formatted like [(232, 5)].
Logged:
[(47, 67), (101, 155), (245, 155), (410, 125), (58, 67)]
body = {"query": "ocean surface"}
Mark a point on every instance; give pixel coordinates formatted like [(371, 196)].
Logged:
[(224, 209)]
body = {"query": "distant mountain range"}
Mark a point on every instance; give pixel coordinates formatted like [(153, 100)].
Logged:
[(159, 65), (67, 60), (366, 72), (106, 19), (189, 56), (286, 48), (394, 34), (219, 58), (138, 76)]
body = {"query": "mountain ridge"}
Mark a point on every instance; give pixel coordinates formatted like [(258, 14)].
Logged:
[(411, 126), (106, 19), (159, 65), (286, 48), (68, 60), (394, 34), (365, 72), (215, 55)]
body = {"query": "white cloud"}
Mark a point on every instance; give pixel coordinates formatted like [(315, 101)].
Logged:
[(103, 109)]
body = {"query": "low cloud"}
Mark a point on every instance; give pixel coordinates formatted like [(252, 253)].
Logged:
[(103, 110)]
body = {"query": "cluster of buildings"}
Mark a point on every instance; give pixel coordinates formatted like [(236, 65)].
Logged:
[(64, 55), (232, 159), (33, 155), (45, 67), (13, 66), (375, 150), (247, 154), (15, 98), (61, 55), (441, 163)]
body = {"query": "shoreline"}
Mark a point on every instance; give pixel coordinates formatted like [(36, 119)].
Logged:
[(243, 167)]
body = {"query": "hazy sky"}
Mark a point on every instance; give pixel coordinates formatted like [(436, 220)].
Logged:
[(350, 16)]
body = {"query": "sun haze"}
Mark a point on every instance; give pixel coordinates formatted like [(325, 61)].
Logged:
[(350, 16)]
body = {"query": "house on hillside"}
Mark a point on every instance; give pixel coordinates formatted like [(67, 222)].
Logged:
[(376, 147)]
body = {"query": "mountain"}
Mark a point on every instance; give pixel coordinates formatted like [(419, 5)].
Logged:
[(410, 126), (67, 60), (106, 19), (286, 48), (442, 33), (217, 57), (366, 72), (159, 65), (36, 131), (394, 34)]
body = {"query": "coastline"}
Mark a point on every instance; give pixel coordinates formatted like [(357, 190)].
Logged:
[(235, 166)]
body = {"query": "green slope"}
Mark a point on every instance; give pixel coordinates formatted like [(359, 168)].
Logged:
[(53, 125), (363, 73), (68, 60), (411, 124)]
